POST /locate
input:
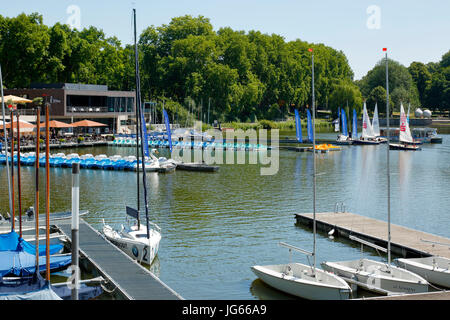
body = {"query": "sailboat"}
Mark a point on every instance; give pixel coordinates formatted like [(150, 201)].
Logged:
[(299, 279), (434, 269), (138, 241), (376, 126), (344, 138), (374, 275), (367, 134), (405, 138)]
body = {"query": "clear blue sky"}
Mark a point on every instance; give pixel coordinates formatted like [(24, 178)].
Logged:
[(413, 31)]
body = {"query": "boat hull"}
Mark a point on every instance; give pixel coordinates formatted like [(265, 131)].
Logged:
[(407, 147), (141, 251), (303, 286), (373, 277), (437, 273)]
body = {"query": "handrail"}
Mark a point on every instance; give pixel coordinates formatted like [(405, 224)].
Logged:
[(282, 244)]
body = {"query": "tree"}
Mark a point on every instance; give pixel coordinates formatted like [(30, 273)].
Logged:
[(344, 94), (378, 96), (421, 77), (399, 77)]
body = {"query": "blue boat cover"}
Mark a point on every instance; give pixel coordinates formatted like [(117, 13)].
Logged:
[(309, 127), (298, 127), (10, 241), (21, 263), (30, 288)]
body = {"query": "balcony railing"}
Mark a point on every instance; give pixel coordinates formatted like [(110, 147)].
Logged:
[(87, 109)]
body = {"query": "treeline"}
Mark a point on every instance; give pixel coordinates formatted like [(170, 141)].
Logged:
[(421, 85), (238, 76)]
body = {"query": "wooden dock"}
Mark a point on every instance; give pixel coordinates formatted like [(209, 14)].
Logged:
[(405, 242), (133, 281)]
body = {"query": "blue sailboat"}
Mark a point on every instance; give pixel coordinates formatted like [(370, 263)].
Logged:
[(354, 126)]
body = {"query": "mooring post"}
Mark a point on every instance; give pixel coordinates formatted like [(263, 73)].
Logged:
[(75, 227)]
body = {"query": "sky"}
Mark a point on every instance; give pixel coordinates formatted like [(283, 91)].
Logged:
[(411, 30)]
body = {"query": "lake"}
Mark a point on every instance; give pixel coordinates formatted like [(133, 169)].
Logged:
[(215, 226)]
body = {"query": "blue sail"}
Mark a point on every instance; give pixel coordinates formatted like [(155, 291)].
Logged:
[(298, 127), (309, 127), (344, 123), (169, 133), (144, 130), (354, 126)]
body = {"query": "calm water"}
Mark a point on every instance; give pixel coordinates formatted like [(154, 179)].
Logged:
[(215, 226)]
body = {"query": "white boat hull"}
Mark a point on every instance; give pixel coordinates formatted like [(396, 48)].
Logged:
[(140, 249), (323, 286), (434, 269), (374, 276)]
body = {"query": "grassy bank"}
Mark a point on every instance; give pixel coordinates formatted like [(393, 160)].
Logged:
[(268, 124)]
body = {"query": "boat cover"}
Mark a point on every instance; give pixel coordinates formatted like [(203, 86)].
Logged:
[(10, 242), (21, 263), (31, 288)]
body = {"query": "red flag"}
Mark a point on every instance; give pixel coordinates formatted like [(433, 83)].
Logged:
[(10, 106), (384, 49), (310, 49)]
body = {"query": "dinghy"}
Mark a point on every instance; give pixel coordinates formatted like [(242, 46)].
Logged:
[(405, 138), (138, 241), (374, 275), (434, 269), (367, 134)]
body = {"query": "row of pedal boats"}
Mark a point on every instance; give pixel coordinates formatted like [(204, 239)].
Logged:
[(130, 142), (89, 161)]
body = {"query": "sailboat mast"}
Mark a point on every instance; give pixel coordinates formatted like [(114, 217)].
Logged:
[(19, 187), (36, 206), (138, 101), (6, 142), (47, 193), (141, 131), (314, 162), (388, 171)]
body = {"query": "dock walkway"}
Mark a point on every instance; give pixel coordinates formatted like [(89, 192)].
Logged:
[(130, 278), (405, 242)]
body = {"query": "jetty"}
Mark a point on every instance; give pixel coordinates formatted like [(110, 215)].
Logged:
[(405, 242), (131, 280)]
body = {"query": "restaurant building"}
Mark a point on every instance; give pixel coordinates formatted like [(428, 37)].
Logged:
[(74, 102)]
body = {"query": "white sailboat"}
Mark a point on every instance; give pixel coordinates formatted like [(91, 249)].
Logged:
[(374, 275), (434, 269), (139, 241), (299, 279), (406, 141), (367, 134), (376, 126)]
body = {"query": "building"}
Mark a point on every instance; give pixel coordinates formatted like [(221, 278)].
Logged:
[(74, 102)]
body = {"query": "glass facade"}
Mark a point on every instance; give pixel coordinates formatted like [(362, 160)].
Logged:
[(103, 104)]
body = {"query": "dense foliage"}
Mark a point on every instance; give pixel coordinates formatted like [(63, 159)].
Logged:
[(236, 75)]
